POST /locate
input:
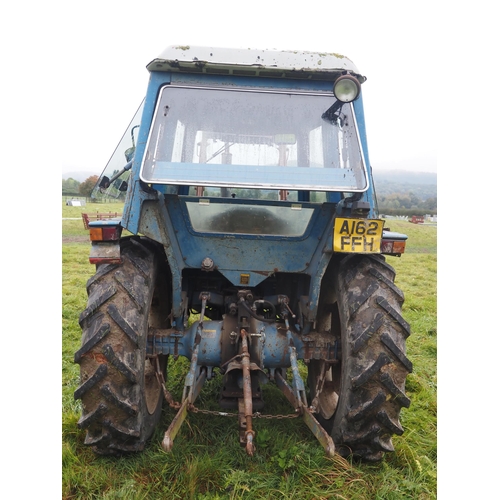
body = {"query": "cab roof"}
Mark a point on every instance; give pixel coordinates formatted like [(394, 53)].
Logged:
[(254, 62)]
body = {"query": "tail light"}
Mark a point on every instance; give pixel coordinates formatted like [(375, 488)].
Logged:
[(393, 243)]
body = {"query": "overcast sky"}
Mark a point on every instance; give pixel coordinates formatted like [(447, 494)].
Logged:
[(103, 49)]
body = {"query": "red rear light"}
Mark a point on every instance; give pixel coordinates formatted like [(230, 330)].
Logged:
[(105, 233), (386, 246), (393, 243), (392, 247)]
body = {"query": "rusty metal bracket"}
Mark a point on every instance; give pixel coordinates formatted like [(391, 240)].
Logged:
[(175, 425), (297, 398), (316, 428), (192, 386), (298, 383), (246, 406), (173, 429)]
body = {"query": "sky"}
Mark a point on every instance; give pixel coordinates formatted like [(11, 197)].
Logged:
[(103, 48)]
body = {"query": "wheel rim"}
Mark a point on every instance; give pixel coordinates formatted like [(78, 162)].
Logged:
[(152, 388), (328, 397)]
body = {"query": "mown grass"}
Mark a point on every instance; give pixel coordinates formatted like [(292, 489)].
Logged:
[(207, 461)]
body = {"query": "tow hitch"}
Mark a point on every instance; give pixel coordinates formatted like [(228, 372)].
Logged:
[(197, 376)]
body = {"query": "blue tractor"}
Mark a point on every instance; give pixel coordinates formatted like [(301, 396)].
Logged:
[(250, 244)]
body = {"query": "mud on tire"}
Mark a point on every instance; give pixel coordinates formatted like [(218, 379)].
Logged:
[(120, 394), (363, 395)]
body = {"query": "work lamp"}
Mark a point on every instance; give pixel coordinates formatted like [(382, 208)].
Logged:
[(346, 88)]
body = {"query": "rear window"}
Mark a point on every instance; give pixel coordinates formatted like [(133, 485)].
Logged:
[(253, 140)]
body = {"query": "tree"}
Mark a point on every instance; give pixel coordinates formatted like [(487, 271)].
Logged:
[(70, 186), (87, 185), (430, 204)]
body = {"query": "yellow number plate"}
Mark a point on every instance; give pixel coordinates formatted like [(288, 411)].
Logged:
[(357, 235)]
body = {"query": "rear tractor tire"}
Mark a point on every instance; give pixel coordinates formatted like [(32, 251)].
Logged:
[(121, 396), (362, 398)]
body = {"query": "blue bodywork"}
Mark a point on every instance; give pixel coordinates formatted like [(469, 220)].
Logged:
[(160, 212), (275, 250)]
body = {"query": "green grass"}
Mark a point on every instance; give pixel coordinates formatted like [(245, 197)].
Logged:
[(207, 461), (422, 238), (72, 216)]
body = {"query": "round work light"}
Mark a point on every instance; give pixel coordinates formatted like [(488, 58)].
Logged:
[(346, 88)]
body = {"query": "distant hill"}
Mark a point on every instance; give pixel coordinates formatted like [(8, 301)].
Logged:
[(405, 176), (421, 184)]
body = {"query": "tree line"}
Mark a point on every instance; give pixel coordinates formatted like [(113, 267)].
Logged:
[(72, 187), (406, 204), (396, 203)]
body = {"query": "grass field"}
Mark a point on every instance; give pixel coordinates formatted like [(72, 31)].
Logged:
[(207, 461)]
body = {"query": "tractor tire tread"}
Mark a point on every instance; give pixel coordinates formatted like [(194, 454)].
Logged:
[(374, 354), (112, 355)]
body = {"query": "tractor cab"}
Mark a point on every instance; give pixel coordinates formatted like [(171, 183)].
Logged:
[(248, 124)]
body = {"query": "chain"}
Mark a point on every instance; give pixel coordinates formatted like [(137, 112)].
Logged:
[(161, 380), (176, 405), (194, 409)]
